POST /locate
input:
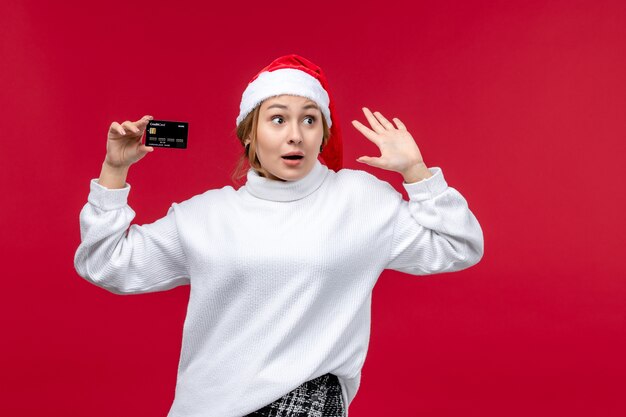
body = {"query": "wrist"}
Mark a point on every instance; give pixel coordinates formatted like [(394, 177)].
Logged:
[(114, 167), (113, 177), (416, 173)]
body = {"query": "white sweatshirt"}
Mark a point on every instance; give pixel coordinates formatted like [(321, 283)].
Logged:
[(281, 274)]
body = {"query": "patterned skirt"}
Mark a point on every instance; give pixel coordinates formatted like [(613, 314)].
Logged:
[(319, 397)]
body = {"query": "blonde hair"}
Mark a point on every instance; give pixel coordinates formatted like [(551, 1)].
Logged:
[(248, 158)]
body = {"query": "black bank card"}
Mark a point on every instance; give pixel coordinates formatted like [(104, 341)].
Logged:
[(167, 134)]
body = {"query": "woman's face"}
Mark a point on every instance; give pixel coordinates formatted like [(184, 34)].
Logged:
[(288, 125)]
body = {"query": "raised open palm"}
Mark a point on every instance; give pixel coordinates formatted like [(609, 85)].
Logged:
[(398, 150)]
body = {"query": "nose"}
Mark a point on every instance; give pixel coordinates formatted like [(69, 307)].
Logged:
[(295, 136)]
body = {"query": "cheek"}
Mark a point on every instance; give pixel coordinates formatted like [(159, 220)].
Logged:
[(317, 138), (264, 143)]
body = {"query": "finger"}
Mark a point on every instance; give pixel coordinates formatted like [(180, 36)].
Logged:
[(130, 126), (145, 148), (367, 132), (144, 120), (373, 120), (400, 125), (370, 160), (116, 128), (386, 123)]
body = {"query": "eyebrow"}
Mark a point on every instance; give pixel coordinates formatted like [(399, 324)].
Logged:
[(281, 106)]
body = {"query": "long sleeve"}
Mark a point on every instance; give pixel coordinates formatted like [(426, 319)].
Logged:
[(434, 231), (125, 260)]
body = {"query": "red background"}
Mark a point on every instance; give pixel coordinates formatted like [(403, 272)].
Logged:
[(522, 104)]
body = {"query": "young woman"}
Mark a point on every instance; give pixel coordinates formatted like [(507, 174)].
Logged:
[(281, 269)]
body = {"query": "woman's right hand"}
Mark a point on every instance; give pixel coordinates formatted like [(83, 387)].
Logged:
[(124, 145)]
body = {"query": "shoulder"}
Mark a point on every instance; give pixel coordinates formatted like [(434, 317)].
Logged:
[(363, 188), (363, 182), (210, 197), (353, 175)]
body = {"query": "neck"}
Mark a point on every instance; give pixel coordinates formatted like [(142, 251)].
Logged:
[(281, 190)]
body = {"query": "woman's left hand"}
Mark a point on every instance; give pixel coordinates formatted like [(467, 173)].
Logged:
[(398, 150)]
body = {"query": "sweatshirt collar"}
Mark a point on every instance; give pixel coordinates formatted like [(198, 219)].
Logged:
[(275, 190)]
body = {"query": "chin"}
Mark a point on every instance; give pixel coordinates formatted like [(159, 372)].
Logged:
[(291, 177), (290, 173), (287, 176)]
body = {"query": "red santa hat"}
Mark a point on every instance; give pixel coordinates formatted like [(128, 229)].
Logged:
[(295, 75)]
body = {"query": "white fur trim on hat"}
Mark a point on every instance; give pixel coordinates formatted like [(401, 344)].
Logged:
[(284, 81)]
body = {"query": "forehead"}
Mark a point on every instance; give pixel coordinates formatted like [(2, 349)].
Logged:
[(289, 101)]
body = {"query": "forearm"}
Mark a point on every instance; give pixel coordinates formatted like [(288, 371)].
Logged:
[(435, 230), (416, 173), (113, 177), (125, 258)]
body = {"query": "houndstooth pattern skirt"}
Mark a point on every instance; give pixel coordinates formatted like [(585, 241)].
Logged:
[(319, 397)]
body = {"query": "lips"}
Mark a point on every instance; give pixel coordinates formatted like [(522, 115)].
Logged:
[(293, 155), (293, 159)]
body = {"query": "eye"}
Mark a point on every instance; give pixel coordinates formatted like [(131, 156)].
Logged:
[(277, 117), (312, 118)]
